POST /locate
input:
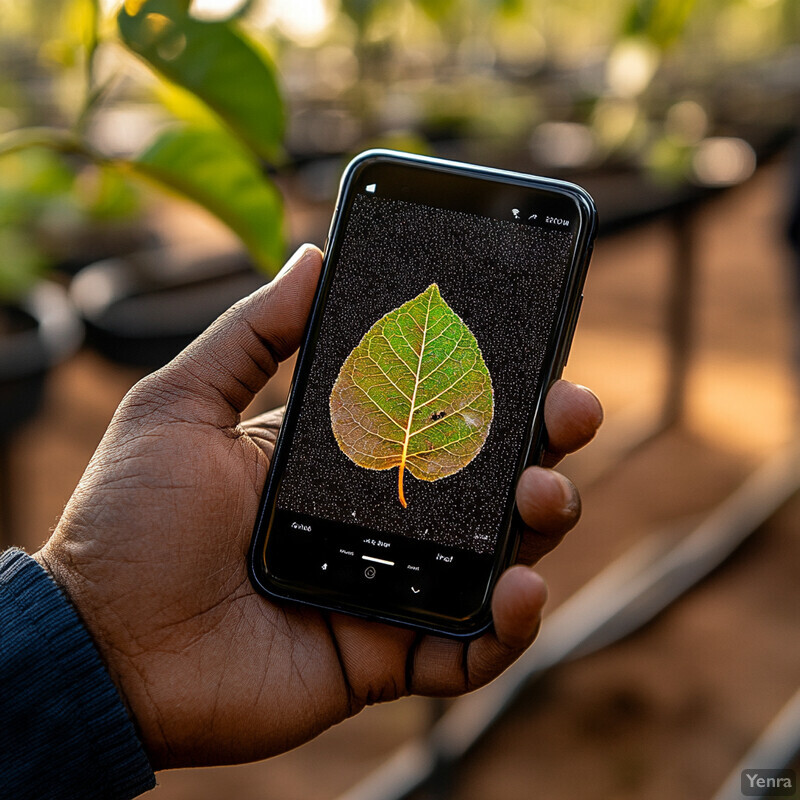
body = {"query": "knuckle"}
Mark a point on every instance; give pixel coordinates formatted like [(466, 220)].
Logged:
[(149, 395)]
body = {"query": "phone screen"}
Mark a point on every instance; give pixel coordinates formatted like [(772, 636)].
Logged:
[(413, 415)]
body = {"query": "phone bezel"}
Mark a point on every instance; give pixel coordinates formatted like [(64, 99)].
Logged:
[(476, 622)]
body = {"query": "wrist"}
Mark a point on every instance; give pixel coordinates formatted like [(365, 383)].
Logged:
[(114, 657)]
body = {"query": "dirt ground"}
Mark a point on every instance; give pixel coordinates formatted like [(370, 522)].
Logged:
[(668, 712)]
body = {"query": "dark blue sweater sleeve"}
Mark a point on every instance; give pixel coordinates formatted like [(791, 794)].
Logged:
[(64, 732)]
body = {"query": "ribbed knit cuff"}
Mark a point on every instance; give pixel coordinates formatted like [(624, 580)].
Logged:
[(64, 732)]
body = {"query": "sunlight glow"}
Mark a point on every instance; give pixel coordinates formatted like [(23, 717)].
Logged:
[(563, 144), (723, 161), (631, 66), (215, 9), (687, 120), (303, 21)]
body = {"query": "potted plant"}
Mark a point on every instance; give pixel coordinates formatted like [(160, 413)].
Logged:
[(216, 126)]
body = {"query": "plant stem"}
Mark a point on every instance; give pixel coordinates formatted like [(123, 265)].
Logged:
[(92, 93), (57, 139), (91, 50)]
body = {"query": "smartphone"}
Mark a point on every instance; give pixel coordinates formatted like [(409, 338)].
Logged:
[(447, 302)]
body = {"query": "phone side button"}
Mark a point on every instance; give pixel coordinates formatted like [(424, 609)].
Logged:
[(570, 337)]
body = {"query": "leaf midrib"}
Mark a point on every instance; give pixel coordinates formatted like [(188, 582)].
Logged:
[(416, 386)]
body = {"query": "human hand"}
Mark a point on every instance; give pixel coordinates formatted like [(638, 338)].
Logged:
[(151, 549)]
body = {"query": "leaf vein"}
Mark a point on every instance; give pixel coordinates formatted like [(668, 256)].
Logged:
[(385, 375), (444, 360), (377, 407), (465, 407), (368, 432), (451, 386), (443, 332), (382, 335)]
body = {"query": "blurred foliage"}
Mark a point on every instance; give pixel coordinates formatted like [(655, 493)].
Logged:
[(186, 94), (41, 191), (23, 263), (64, 73), (219, 173), (661, 21), (215, 62), (488, 73)]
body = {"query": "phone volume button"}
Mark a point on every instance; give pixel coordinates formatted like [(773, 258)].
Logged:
[(568, 340)]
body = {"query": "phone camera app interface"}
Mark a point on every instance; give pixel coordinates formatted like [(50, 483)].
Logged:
[(427, 365)]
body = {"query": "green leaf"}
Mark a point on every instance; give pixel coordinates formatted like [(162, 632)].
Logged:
[(213, 60), (360, 11), (438, 10), (21, 266), (216, 171), (415, 393), (661, 21)]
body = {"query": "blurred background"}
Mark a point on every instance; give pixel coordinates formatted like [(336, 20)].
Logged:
[(159, 159)]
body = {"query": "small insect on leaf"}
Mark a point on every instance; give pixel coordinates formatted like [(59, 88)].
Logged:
[(414, 393)]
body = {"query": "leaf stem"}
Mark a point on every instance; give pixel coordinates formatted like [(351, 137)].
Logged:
[(91, 51), (57, 139), (400, 491)]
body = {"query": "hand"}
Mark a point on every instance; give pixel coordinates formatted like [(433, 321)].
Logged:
[(151, 550)]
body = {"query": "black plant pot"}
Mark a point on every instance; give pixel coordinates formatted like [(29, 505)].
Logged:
[(145, 308), (72, 249), (35, 334)]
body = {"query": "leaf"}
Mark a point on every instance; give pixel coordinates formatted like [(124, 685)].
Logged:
[(661, 21), (360, 11), (22, 265), (213, 60), (216, 171), (415, 393)]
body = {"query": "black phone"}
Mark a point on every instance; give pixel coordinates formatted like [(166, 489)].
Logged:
[(446, 307)]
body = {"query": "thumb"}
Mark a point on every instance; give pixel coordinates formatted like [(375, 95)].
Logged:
[(219, 373)]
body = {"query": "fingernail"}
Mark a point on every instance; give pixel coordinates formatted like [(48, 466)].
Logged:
[(294, 258), (571, 500)]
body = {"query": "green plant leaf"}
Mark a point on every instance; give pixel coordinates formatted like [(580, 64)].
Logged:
[(213, 60), (360, 11), (415, 393), (215, 170), (22, 264), (661, 21)]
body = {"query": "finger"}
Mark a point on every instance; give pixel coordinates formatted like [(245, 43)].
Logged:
[(549, 505), (267, 422), (373, 659), (264, 428), (517, 604), (572, 415), (220, 372), (447, 667)]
